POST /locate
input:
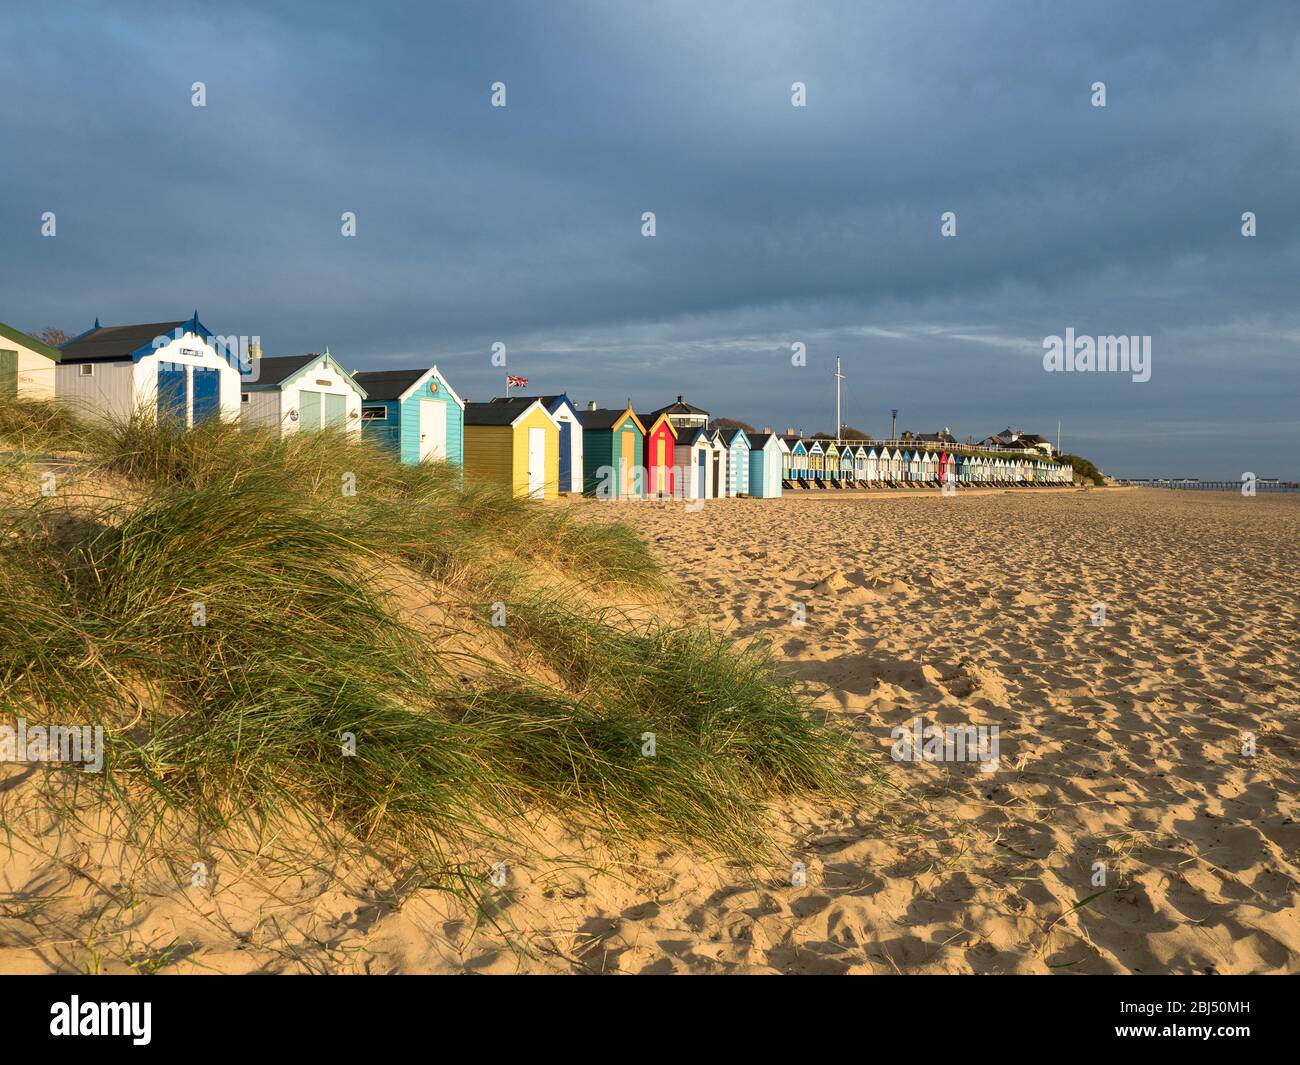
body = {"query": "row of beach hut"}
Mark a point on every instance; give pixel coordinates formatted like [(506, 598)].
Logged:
[(540, 446)]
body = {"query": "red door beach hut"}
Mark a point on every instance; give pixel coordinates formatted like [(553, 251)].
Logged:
[(659, 450)]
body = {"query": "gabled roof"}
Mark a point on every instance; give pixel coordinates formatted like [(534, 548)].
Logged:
[(118, 343), (551, 403), (277, 371), (395, 385), (497, 411), (693, 435), (680, 407), (17, 336), (758, 441), (383, 385), (608, 418), (650, 422), (505, 412), (731, 437)]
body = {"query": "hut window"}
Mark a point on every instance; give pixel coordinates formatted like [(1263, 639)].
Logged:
[(86, 369), (374, 414), (243, 397)]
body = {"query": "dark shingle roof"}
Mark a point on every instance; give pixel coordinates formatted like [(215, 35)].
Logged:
[(601, 418), (115, 342), (497, 411), (382, 385), (758, 440), (271, 370), (648, 421), (680, 407), (547, 401)]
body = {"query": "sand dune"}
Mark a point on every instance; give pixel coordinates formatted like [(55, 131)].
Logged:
[(1120, 744)]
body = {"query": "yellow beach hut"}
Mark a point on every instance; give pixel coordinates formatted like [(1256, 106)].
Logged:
[(516, 443)]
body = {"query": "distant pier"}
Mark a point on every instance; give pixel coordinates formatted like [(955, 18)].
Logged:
[(1262, 484)]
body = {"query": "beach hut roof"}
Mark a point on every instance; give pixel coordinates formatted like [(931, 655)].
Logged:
[(276, 371), (737, 433), (382, 385), (507, 412), (680, 407), (650, 422), (115, 343), (606, 418), (29, 342), (551, 403), (388, 385), (694, 436)]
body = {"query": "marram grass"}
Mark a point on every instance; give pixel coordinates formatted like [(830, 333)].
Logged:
[(304, 692)]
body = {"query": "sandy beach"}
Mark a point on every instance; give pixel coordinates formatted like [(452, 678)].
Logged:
[(1120, 757)]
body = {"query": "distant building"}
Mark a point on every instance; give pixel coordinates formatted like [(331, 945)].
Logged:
[(1027, 441), (683, 415)]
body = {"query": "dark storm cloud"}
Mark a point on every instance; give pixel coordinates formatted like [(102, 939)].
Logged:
[(775, 224)]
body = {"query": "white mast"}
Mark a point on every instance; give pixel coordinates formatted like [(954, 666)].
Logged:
[(839, 423)]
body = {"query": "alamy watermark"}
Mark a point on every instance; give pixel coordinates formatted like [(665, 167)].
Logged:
[(919, 742), (1084, 354), (241, 352), (77, 744)]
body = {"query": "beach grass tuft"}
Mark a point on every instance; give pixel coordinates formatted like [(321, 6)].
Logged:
[(237, 626)]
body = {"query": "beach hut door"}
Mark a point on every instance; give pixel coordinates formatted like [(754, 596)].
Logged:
[(566, 455), (207, 393), (309, 409), (536, 462), (704, 474), (433, 430), (336, 411), (627, 464), (8, 375), (172, 389)]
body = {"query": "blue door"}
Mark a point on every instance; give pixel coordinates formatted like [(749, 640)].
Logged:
[(566, 456), (171, 392), (207, 393), (704, 475)]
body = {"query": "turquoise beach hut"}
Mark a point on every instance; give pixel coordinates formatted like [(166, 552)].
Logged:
[(415, 414), (766, 452), (738, 452)]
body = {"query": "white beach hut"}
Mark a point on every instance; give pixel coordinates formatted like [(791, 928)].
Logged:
[(165, 369), (302, 392)]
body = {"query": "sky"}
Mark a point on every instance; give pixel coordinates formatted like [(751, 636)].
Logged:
[(774, 225)]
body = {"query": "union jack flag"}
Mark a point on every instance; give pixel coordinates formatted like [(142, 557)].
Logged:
[(516, 382)]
